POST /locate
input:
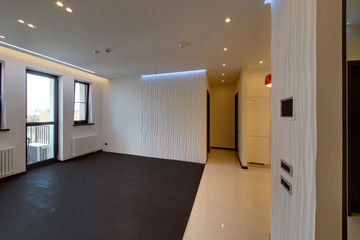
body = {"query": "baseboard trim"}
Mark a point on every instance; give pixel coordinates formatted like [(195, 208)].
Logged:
[(78, 157), (13, 176), (167, 159), (231, 149), (41, 164), (243, 167), (263, 165)]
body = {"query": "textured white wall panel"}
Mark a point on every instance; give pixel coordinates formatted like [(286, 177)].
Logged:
[(173, 116), (294, 74)]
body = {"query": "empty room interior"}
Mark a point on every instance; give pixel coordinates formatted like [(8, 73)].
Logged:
[(233, 119)]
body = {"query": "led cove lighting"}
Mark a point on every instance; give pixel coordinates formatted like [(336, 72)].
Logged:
[(21, 21), (227, 20), (2, 37), (173, 73), (69, 10), (46, 57), (60, 4)]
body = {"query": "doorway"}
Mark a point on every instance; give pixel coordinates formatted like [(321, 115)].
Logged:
[(41, 118), (353, 137), (236, 122), (208, 121)]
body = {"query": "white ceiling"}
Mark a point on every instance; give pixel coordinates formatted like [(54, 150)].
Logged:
[(144, 34)]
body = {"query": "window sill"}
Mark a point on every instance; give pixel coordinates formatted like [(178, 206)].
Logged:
[(4, 130), (83, 124)]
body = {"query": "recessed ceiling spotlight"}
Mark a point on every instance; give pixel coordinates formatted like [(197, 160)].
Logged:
[(31, 25), (261, 62), (227, 20), (59, 3), (21, 21), (2, 37), (223, 74), (69, 9), (223, 80), (224, 64), (96, 51), (225, 49), (183, 44)]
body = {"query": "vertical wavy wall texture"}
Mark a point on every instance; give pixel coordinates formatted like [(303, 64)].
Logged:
[(174, 116), (294, 74)]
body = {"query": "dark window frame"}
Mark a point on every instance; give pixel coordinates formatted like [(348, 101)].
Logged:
[(55, 122), (86, 121)]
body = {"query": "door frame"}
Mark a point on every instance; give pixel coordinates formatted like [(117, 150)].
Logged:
[(208, 121), (55, 122), (344, 123), (237, 122)]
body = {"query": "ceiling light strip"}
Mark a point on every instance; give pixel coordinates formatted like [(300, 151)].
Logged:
[(173, 73), (46, 57)]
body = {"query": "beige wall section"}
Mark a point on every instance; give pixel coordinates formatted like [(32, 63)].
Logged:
[(258, 115), (222, 118), (329, 121), (353, 42)]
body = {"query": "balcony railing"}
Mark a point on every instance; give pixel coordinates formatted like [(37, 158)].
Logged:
[(38, 134), (39, 144)]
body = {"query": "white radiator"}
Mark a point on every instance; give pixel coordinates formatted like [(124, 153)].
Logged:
[(83, 145), (6, 161)]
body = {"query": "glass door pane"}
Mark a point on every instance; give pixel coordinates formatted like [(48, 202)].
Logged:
[(40, 141), (41, 115), (40, 98)]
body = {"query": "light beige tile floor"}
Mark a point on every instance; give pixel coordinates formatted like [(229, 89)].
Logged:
[(231, 203)]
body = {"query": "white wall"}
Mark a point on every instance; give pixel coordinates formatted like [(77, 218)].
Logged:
[(254, 115), (163, 117), (174, 116), (222, 115), (294, 74), (258, 115), (122, 116), (15, 65)]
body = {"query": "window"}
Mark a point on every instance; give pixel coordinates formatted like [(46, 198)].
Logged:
[(2, 105), (81, 105), (1, 96), (41, 117)]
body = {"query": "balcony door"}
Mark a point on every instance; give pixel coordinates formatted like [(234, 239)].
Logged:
[(41, 118)]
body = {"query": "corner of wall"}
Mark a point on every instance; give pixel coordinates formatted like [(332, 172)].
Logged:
[(329, 120)]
